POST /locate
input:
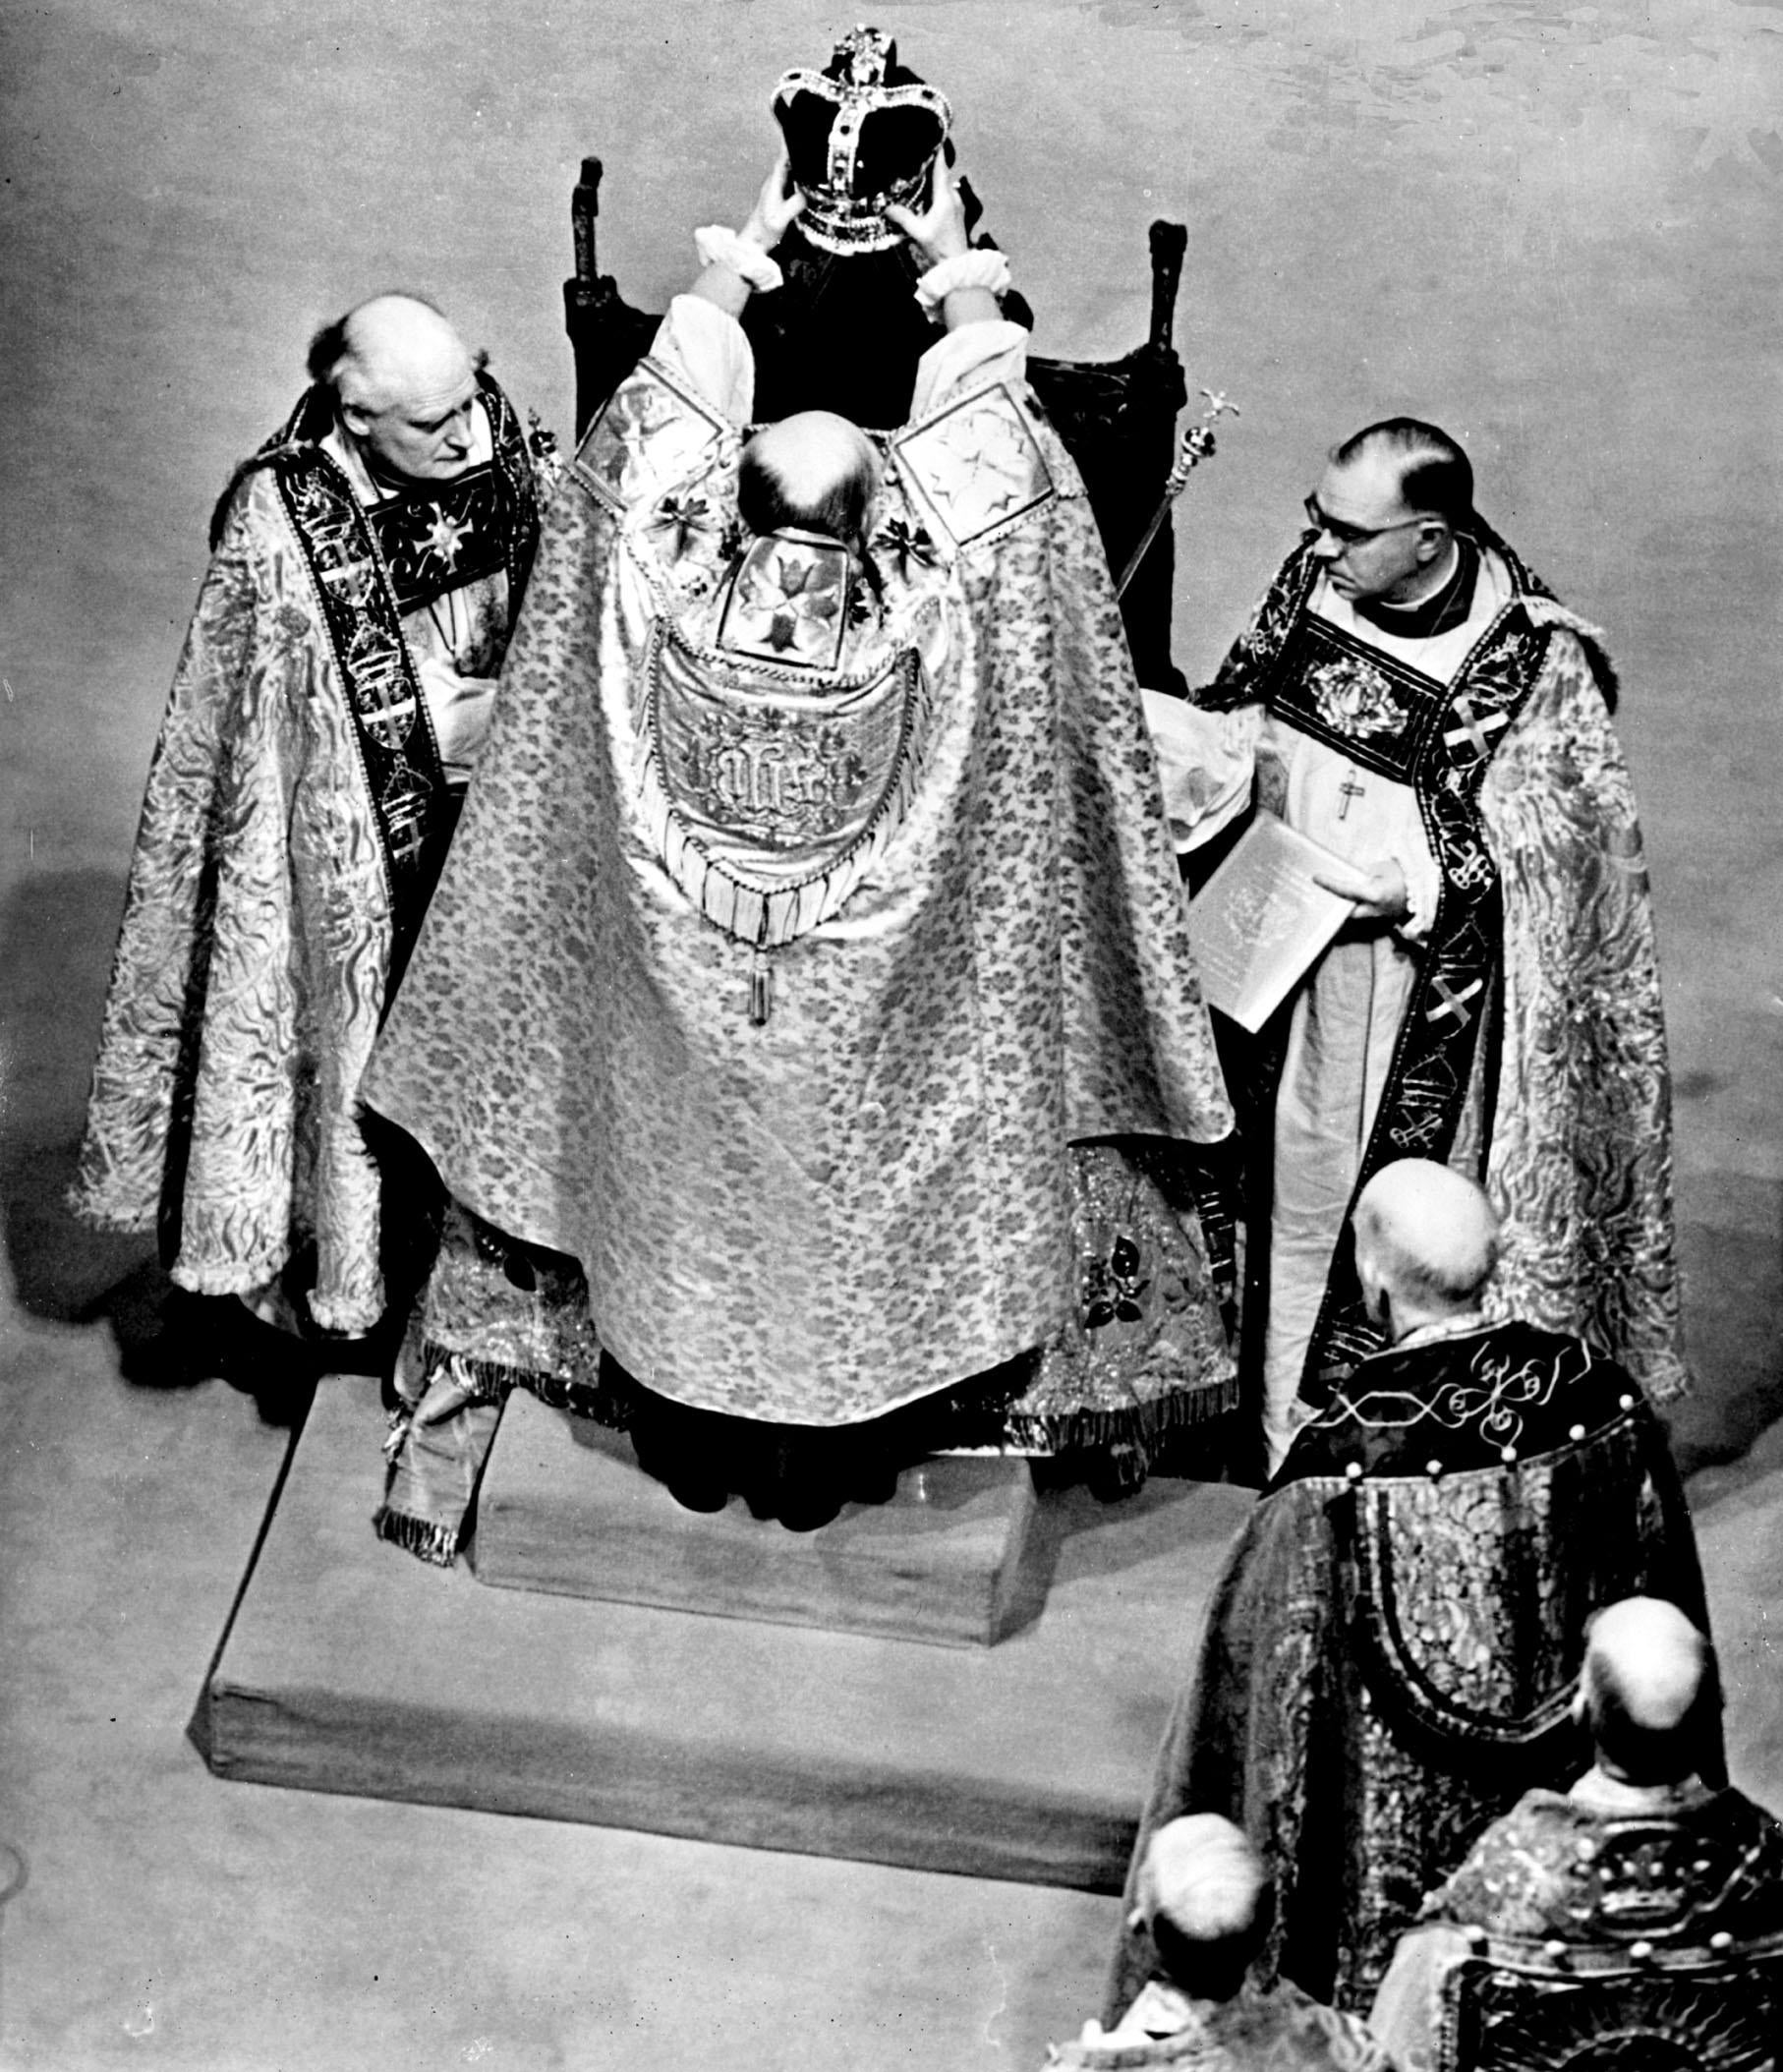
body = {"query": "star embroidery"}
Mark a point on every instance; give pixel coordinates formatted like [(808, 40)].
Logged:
[(446, 535), (987, 444)]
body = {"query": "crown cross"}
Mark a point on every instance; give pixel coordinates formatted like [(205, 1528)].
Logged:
[(864, 53)]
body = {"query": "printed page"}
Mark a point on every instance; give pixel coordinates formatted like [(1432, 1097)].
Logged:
[(1260, 923)]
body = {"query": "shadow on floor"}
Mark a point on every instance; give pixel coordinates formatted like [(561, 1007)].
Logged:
[(56, 943)]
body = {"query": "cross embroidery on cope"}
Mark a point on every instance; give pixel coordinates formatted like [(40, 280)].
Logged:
[(652, 436), (788, 602)]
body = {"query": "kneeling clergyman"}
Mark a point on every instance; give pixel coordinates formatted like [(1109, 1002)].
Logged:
[(812, 960), (1641, 1853), (1390, 1653), (334, 691)]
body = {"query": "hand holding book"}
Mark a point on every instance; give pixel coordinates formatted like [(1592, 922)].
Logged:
[(1269, 912), (1378, 893)]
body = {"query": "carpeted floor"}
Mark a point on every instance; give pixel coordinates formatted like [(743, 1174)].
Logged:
[(1553, 230)]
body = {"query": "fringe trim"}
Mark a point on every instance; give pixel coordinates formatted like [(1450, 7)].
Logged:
[(346, 1319), (427, 1538), (1042, 1433)]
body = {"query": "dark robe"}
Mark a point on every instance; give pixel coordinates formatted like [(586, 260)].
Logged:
[(1390, 1653)]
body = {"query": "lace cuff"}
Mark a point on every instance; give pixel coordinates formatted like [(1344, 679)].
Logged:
[(718, 247), (981, 267)]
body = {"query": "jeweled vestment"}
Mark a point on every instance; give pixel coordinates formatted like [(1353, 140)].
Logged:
[(1512, 1027), (804, 915), (1390, 1654), (297, 810), (1602, 1867)]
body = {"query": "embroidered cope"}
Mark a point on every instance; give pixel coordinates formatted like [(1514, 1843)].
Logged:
[(332, 692), (1512, 1027), (805, 913)]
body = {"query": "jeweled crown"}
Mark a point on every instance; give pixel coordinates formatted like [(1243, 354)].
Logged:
[(860, 134)]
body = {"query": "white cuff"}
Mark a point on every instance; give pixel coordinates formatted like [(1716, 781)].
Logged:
[(1423, 888), (718, 247), (981, 267)]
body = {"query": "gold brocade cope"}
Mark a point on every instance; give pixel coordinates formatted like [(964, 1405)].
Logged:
[(767, 802)]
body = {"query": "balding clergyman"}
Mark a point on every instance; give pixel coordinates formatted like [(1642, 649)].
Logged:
[(797, 998), (1414, 701), (334, 689), (1391, 1652), (1640, 1852), (1203, 1906)]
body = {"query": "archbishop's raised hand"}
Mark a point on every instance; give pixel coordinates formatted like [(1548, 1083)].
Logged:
[(777, 206), (939, 232)]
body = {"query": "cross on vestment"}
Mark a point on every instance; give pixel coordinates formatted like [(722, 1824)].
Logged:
[(1474, 727), (1347, 791), (1452, 1002)]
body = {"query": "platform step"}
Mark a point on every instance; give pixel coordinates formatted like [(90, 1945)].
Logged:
[(564, 1508), (349, 1666)]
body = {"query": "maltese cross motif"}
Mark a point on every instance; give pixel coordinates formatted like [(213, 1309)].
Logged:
[(446, 535), (803, 608)]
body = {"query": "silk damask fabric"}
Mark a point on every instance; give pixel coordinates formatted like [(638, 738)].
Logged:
[(293, 817), (1142, 1355), (815, 1164), (1391, 1649)]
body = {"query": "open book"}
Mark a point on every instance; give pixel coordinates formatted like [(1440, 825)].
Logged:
[(1260, 923)]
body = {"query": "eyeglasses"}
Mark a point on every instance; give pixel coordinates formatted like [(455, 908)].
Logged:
[(1355, 535)]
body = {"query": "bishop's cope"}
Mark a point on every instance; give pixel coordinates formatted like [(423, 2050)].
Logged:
[(332, 696), (1414, 700), (805, 1025)]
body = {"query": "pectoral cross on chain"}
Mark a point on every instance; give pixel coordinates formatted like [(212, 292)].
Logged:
[(1347, 791)]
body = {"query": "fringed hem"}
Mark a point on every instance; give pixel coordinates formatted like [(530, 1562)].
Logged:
[(239, 1278), (427, 1538), (1040, 1434), (345, 1319)]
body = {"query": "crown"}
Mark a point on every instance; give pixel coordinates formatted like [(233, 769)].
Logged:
[(860, 134)]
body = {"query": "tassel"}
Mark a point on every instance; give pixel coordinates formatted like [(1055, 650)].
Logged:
[(761, 989)]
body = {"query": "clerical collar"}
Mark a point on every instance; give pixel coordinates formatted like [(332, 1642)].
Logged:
[(1440, 612), (1598, 1792), (1463, 1326)]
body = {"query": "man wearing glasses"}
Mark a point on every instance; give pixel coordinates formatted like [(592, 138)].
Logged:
[(1412, 699)]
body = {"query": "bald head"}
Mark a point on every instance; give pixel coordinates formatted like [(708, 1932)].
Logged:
[(812, 472), (1427, 1238), (1205, 1894), (404, 384), (1647, 1686)]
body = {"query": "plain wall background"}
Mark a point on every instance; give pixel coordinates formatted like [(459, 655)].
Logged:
[(1555, 230)]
